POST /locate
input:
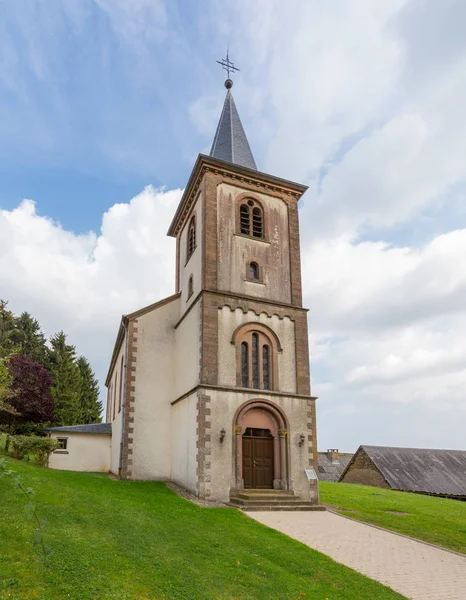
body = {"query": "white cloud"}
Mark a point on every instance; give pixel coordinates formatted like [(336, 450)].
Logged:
[(84, 283), (367, 286), (388, 338)]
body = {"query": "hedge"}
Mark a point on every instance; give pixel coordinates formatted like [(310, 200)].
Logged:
[(40, 448)]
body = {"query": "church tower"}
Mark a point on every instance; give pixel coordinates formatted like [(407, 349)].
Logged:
[(238, 266), (210, 388)]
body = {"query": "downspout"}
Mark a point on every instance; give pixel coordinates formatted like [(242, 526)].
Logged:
[(123, 399)]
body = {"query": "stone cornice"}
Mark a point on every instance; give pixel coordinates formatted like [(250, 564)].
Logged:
[(224, 388), (263, 182)]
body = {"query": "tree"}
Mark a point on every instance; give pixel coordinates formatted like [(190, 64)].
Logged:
[(91, 408), (32, 399), (6, 393), (31, 338), (9, 334), (66, 388)]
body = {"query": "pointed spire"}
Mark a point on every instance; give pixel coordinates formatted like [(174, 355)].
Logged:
[(230, 142)]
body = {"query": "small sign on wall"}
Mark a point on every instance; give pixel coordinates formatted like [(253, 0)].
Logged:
[(311, 474)]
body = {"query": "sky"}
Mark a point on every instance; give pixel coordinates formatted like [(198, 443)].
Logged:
[(105, 105)]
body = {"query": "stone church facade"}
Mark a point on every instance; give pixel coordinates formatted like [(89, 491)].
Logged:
[(210, 388)]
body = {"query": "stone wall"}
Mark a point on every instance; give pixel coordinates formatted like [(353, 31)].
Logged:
[(363, 471)]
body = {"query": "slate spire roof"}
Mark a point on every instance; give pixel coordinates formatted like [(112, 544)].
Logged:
[(230, 142)]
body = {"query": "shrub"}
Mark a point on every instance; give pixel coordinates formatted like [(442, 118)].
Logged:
[(40, 448)]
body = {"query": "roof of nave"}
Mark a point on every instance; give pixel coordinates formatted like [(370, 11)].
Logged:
[(89, 428)]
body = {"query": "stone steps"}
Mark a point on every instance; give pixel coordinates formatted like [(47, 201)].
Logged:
[(255, 500), (266, 497)]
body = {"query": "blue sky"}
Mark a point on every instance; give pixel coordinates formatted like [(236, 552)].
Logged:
[(105, 106), (93, 115)]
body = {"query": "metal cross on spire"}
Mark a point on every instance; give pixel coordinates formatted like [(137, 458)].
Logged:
[(228, 65)]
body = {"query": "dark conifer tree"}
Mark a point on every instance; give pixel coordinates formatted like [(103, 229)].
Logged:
[(91, 408), (66, 389), (31, 338)]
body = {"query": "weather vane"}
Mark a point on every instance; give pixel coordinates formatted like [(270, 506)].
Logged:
[(228, 65)]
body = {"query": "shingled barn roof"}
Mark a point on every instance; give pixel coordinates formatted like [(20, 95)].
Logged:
[(439, 472)]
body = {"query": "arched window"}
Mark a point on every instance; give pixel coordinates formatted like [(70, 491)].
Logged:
[(257, 357), (266, 366), (244, 219), (191, 241), (254, 271), (257, 225), (251, 219), (244, 365), (190, 286)]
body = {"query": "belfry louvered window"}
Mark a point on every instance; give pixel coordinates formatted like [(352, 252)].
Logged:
[(251, 219), (255, 361), (191, 241), (257, 228), (245, 219)]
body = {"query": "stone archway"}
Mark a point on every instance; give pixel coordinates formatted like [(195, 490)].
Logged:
[(263, 415)]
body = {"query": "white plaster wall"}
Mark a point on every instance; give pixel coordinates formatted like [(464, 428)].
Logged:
[(187, 352), (155, 373), (234, 251), (194, 265), (223, 408), (229, 320), (183, 442), (117, 422), (86, 452)]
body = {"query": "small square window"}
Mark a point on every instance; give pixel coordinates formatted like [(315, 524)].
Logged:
[(62, 443)]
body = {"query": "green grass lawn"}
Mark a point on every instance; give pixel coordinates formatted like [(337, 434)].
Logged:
[(436, 520), (137, 541)]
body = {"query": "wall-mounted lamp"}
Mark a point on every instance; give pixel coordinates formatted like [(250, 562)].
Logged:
[(222, 434), (302, 437)]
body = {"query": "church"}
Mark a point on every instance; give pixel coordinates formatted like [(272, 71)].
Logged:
[(210, 387)]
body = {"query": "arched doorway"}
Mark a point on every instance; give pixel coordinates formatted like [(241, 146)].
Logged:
[(261, 446)]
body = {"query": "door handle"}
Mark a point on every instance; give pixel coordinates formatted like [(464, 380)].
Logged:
[(255, 463)]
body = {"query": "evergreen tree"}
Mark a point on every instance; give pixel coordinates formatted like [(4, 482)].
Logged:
[(66, 388), (32, 340), (91, 408), (9, 333)]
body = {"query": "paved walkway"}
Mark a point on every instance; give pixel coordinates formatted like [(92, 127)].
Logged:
[(413, 569)]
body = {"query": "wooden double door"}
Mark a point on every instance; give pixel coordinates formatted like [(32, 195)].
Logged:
[(258, 466)]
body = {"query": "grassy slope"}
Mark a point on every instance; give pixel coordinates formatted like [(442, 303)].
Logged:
[(436, 520), (126, 540)]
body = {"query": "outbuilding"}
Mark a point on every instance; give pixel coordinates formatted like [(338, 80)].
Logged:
[(421, 470), (82, 447)]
